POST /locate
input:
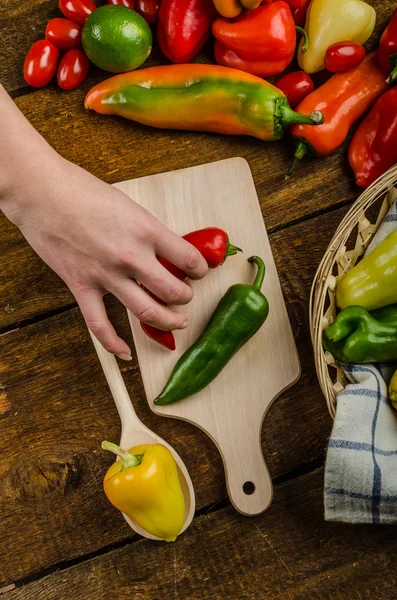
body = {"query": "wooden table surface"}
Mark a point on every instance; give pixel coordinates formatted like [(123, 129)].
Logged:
[(59, 536)]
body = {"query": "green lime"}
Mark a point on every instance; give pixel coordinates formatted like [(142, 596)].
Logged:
[(116, 38)]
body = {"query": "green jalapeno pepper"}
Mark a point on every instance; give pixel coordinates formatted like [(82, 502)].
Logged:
[(357, 336), (238, 316)]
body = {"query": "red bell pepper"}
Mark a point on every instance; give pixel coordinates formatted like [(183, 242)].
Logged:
[(373, 149), (260, 41), (213, 243), (296, 86), (388, 48), (149, 10), (184, 27)]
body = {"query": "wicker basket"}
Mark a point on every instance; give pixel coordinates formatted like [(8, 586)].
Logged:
[(349, 243)]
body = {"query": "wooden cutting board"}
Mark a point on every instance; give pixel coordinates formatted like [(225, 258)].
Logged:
[(232, 409)]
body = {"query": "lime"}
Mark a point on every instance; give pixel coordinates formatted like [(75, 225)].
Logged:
[(116, 38)]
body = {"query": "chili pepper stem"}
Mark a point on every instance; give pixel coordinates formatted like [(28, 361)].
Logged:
[(302, 148), (231, 250), (303, 32), (287, 116), (260, 274), (129, 460)]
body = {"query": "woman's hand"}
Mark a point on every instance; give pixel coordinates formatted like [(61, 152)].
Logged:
[(98, 240)]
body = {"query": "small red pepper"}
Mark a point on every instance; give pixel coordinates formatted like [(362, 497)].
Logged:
[(184, 27), (344, 56), (77, 10), (64, 34), (299, 14), (373, 149), (149, 10), (296, 86), (73, 69), (40, 63), (388, 48), (261, 41), (213, 243)]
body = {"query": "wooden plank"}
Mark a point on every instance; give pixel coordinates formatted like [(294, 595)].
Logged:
[(288, 553), (57, 409)]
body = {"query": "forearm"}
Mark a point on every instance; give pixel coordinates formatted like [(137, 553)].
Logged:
[(24, 153)]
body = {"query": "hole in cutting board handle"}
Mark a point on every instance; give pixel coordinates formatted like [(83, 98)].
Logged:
[(249, 488)]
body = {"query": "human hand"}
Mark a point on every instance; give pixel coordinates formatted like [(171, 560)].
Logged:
[(98, 240)]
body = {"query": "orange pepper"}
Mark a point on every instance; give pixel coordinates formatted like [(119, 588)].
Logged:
[(343, 99)]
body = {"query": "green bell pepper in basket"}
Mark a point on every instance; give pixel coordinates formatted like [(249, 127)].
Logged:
[(356, 336)]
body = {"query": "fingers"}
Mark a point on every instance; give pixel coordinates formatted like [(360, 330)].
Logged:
[(163, 284), (181, 254), (94, 313), (145, 308)]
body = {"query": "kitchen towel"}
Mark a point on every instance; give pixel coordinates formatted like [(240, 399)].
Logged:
[(361, 466)]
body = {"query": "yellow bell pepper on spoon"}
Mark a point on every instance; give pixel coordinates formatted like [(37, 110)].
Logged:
[(332, 21)]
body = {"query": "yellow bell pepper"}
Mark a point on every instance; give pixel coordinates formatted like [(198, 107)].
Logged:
[(393, 390), (145, 486), (332, 21)]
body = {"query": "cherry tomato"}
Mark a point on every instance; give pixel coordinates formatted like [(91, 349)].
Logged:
[(40, 63), (127, 3), (77, 10), (343, 56), (296, 86), (149, 10), (299, 14), (64, 34), (72, 69)]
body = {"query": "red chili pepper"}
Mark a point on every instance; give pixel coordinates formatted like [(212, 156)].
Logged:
[(184, 27), (64, 34), (127, 3), (149, 10), (344, 56), (77, 10), (213, 243), (261, 41), (388, 48), (373, 149), (296, 86), (40, 63), (299, 14), (72, 69)]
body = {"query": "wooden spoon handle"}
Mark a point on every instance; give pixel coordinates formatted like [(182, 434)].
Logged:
[(117, 386)]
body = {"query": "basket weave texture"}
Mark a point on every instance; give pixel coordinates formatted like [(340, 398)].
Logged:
[(349, 243)]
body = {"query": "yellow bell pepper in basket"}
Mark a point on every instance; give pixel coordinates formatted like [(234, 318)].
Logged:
[(332, 21)]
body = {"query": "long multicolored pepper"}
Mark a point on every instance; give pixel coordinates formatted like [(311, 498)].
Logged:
[(184, 27), (388, 48), (199, 98), (238, 316), (372, 283), (328, 22), (373, 149), (214, 245), (145, 486), (343, 99), (357, 337), (261, 41)]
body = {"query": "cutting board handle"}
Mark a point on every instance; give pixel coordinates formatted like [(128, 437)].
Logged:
[(248, 480)]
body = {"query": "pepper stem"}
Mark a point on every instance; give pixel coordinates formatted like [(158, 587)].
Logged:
[(302, 148), (303, 32), (231, 250), (260, 274), (129, 460), (289, 117)]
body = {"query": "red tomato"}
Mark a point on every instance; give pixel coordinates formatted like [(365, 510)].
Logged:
[(77, 10), (72, 69), (64, 34), (40, 63), (127, 3), (149, 10), (296, 86), (299, 14), (343, 56)]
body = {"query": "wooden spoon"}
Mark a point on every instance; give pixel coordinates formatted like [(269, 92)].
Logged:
[(134, 432)]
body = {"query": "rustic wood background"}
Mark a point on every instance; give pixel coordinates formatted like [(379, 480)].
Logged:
[(59, 537)]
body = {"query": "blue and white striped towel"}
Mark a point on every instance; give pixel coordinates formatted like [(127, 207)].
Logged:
[(361, 467)]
